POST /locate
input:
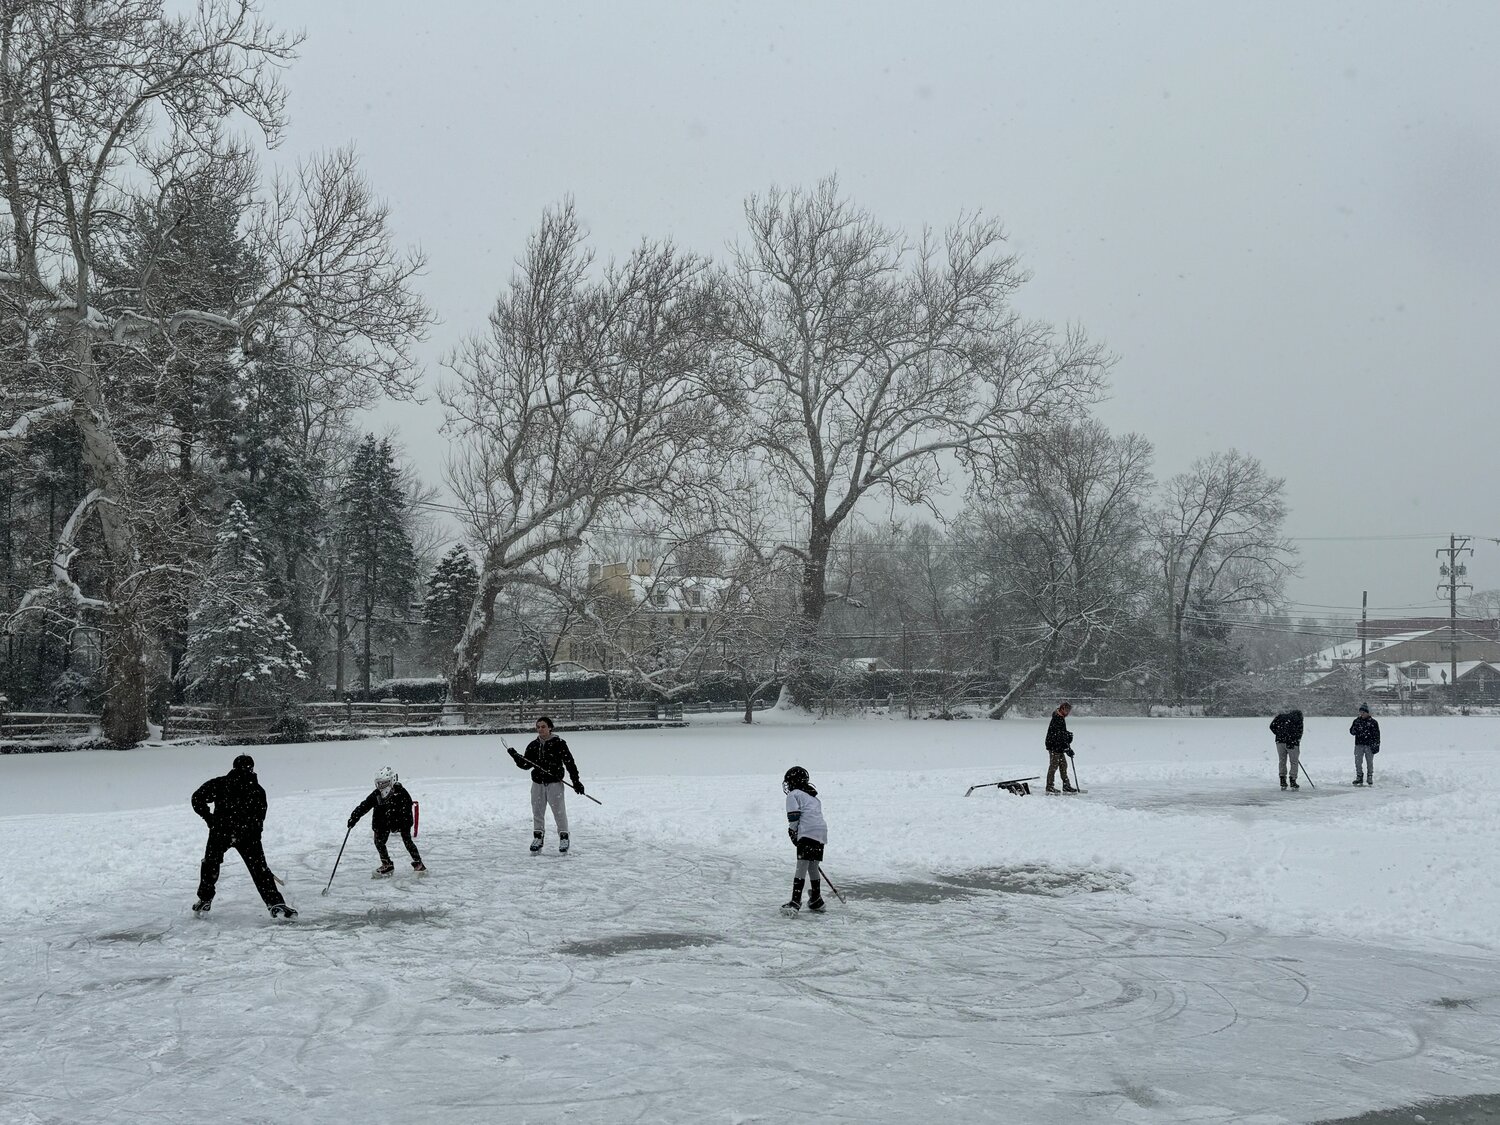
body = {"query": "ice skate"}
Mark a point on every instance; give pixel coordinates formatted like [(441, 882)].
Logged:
[(202, 906), (562, 844), (383, 870), (536, 843), (282, 910), (816, 906), (419, 867)]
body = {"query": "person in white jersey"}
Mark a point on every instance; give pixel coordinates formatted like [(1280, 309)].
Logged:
[(809, 832)]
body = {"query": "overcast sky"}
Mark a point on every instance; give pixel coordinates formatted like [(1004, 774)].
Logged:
[(1284, 222)]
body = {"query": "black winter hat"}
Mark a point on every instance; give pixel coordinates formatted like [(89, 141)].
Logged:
[(244, 762), (1364, 709)]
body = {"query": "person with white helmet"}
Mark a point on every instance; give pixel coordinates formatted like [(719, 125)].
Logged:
[(392, 806), (809, 833)]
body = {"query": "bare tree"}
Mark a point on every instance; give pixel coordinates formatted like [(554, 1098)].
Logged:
[(95, 98), (1219, 546), (866, 358), (1058, 540), (586, 399)]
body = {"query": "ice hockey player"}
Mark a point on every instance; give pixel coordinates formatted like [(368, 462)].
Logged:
[(235, 821), (1287, 728), (1366, 732), (392, 805), (547, 756), (1059, 747), (809, 833)]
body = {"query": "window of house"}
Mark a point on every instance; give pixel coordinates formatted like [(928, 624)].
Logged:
[(694, 597), (1417, 671), (658, 600)]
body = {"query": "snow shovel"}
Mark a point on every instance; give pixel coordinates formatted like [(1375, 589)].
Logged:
[(1015, 781), (335, 870)]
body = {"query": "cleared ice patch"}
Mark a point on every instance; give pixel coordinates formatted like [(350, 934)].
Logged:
[(635, 943), (1034, 880)]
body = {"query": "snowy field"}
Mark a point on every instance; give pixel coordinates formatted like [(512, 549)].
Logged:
[(1182, 943)]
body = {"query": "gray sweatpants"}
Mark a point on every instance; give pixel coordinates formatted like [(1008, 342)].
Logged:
[(1364, 756), (1288, 754), (541, 797)]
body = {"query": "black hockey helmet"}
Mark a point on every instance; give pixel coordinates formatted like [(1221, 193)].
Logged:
[(244, 762), (794, 778)]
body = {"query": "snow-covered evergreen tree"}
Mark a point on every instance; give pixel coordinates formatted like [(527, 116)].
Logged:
[(445, 609), (377, 560), (238, 650)]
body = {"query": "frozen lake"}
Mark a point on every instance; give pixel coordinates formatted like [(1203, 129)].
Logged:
[(1183, 943)]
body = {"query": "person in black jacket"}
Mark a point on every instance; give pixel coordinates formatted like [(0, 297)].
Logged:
[(547, 756), (392, 805), (1366, 732), (1287, 728), (1059, 747), (235, 821)]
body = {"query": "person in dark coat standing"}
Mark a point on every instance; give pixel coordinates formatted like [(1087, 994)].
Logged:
[(1366, 732), (1287, 728), (547, 756), (1059, 747), (235, 821), (392, 806)]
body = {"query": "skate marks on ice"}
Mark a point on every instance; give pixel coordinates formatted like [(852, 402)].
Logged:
[(647, 986)]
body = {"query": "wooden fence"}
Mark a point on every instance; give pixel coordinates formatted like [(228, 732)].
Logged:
[(28, 725), (183, 721)]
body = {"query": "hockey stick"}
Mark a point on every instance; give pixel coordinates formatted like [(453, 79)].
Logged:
[(1002, 784), (534, 766), (1306, 774), (824, 876), (335, 870)]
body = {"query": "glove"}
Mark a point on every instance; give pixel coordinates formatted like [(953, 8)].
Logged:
[(511, 750), (792, 832), (1068, 752), (353, 820), (578, 788)]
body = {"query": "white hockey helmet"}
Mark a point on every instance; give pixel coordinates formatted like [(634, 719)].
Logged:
[(385, 777)]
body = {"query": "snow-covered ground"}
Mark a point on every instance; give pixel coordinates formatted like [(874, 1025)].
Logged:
[(1183, 943)]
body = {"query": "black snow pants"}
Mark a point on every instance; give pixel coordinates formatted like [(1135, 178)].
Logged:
[(255, 862), (383, 834)]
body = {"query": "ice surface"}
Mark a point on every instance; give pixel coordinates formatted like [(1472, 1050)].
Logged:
[(1185, 943)]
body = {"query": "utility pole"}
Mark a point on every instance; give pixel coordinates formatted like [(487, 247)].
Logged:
[(1364, 638), (1453, 571)]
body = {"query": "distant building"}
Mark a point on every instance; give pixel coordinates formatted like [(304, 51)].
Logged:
[(1414, 658), (649, 608)]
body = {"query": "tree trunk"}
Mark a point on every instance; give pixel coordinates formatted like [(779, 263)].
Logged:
[(125, 695), (1027, 681), (814, 600), (339, 636), (365, 677), (125, 643), (470, 648)]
